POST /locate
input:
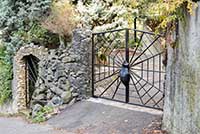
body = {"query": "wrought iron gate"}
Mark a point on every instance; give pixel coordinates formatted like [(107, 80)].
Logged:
[(127, 67), (31, 76)]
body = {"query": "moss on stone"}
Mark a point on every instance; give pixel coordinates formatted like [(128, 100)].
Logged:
[(189, 83)]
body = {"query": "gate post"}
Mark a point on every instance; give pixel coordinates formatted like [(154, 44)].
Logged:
[(127, 60)]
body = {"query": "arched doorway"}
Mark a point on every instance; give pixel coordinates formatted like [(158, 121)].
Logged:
[(25, 67), (31, 70)]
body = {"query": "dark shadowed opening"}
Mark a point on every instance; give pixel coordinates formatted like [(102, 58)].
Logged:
[(31, 70)]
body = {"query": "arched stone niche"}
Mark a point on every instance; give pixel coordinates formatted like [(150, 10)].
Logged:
[(19, 70)]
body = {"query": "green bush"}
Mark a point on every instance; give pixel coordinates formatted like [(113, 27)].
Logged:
[(18, 17), (41, 115), (5, 76), (38, 35)]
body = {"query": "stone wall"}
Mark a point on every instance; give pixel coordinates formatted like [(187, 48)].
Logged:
[(182, 96), (64, 73)]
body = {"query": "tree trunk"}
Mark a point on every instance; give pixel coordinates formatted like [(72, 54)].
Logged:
[(182, 99), (62, 41)]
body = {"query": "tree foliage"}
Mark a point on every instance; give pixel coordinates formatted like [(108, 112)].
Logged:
[(108, 14), (18, 26), (62, 19), (20, 16), (162, 12), (102, 15)]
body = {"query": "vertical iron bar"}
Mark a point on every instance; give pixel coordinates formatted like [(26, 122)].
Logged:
[(127, 60), (104, 61), (99, 67), (127, 47), (147, 70), (104, 64), (93, 58), (135, 27), (160, 63), (26, 81), (113, 64), (109, 64), (142, 68), (153, 69)]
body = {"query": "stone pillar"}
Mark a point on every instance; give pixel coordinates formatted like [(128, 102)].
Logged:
[(19, 89), (182, 99), (81, 52)]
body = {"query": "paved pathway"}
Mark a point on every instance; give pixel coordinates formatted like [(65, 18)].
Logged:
[(84, 118), (16, 125), (96, 118)]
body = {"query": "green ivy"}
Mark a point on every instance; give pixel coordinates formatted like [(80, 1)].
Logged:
[(5, 77), (41, 115), (20, 16)]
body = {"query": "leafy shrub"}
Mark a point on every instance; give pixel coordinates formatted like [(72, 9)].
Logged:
[(62, 19), (5, 77), (102, 15), (20, 16), (38, 35), (42, 114)]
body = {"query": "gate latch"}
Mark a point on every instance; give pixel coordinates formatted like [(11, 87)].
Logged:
[(124, 74)]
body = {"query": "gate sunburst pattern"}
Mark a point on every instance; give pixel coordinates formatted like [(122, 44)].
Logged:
[(143, 51)]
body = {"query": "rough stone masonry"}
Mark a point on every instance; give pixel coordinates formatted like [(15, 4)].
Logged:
[(64, 74)]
